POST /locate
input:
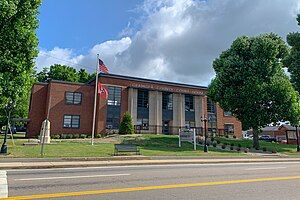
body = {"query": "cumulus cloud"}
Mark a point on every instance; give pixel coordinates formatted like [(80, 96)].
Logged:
[(179, 39)]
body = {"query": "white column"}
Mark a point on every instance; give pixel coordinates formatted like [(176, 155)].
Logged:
[(132, 104), (198, 110), (155, 111), (178, 110)]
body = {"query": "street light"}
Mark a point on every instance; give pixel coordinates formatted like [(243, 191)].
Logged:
[(297, 136), (204, 119), (8, 109)]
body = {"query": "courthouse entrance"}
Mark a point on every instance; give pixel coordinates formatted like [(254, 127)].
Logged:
[(166, 127)]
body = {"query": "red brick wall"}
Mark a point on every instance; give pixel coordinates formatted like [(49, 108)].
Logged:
[(37, 109), (54, 93), (221, 120), (58, 107)]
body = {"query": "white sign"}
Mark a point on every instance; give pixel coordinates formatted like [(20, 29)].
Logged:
[(188, 135)]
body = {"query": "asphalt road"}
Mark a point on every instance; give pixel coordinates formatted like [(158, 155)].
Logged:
[(268, 181)]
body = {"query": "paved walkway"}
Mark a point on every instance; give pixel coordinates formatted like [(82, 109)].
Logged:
[(121, 162)]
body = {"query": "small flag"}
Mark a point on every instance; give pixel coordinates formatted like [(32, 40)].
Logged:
[(102, 67), (102, 91)]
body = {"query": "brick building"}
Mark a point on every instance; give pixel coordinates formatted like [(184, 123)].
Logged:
[(155, 106)]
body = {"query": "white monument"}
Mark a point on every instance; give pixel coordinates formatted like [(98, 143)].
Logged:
[(45, 132)]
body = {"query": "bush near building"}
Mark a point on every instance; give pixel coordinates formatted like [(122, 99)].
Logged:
[(126, 126)]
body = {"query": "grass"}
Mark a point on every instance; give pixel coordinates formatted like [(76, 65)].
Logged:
[(281, 148), (150, 145), (167, 145)]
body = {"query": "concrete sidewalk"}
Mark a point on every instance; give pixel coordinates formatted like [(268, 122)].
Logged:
[(125, 162)]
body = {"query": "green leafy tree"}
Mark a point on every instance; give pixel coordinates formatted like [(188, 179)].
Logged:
[(63, 72), (126, 126), (43, 75), (83, 76), (292, 61), (18, 49), (250, 82)]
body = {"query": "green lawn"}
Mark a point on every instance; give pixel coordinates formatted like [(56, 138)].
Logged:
[(281, 148), (150, 145)]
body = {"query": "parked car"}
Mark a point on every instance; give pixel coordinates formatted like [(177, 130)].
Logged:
[(267, 138), (248, 137)]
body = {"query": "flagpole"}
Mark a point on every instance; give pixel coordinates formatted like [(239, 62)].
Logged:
[(95, 100)]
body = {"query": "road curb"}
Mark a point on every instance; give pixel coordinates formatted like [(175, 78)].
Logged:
[(44, 165)]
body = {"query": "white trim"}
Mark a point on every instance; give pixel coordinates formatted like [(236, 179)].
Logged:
[(3, 185)]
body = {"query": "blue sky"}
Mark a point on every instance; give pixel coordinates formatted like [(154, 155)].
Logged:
[(172, 40), (80, 24)]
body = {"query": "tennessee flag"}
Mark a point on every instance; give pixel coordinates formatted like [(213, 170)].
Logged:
[(102, 91), (102, 67)]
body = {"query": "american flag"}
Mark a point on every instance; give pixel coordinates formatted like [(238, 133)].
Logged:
[(102, 67), (102, 91)]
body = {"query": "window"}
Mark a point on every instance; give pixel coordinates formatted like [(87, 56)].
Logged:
[(167, 101), (112, 122), (227, 113), (143, 99), (190, 124), (73, 98), (211, 106), (71, 121), (189, 102), (114, 96), (229, 128), (143, 123)]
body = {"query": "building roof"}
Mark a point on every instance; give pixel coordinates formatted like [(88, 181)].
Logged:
[(148, 81), (270, 128)]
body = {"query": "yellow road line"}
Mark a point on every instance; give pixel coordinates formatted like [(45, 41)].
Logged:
[(155, 187)]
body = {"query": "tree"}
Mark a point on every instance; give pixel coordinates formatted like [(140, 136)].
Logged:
[(43, 75), (18, 49), (83, 76), (250, 82), (63, 72), (292, 61), (126, 126)]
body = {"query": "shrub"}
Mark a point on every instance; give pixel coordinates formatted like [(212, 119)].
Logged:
[(274, 151), (63, 136), (83, 136), (239, 145), (214, 144), (257, 148), (226, 136), (232, 144), (212, 139), (98, 135), (234, 136), (55, 136), (69, 136), (264, 148), (126, 126), (223, 146), (218, 141), (76, 136), (238, 149), (200, 141), (248, 147), (246, 150), (231, 147)]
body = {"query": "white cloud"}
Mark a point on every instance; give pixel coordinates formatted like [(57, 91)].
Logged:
[(179, 39)]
